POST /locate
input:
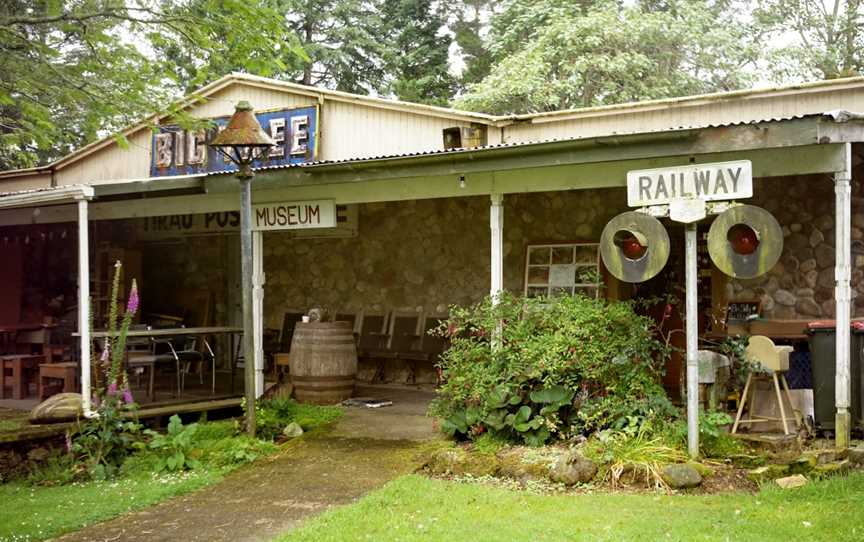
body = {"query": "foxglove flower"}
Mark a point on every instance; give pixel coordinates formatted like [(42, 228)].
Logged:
[(132, 305), (127, 396), (112, 388)]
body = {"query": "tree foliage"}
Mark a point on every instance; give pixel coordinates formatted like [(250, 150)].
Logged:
[(556, 54), (824, 38), (73, 70)]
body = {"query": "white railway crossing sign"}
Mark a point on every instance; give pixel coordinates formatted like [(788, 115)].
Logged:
[(707, 182)]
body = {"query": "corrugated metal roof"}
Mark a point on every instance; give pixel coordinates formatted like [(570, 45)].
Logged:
[(836, 115)]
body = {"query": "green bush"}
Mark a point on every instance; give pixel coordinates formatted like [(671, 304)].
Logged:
[(714, 440), (174, 449), (534, 369)]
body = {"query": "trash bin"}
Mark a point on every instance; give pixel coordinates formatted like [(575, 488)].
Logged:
[(823, 345)]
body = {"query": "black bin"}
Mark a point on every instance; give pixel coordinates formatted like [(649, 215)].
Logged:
[(823, 347)]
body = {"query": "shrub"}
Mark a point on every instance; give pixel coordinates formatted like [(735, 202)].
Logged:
[(174, 448), (714, 440), (533, 369)]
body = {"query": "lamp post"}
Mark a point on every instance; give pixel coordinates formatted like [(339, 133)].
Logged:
[(242, 142)]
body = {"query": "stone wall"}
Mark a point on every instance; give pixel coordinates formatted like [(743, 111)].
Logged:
[(429, 254), (801, 286), (425, 254)]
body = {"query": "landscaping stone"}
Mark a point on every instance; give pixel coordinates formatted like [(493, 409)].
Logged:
[(746, 461), (856, 456), (292, 430), (803, 464), (835, 467), (572, 469), (790, 482), (767, 472), (63, 407), (516, 463), (38, 454), (457, 461), (703, 470), (681, 475)]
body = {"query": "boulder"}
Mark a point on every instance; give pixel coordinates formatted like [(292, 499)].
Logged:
[(680, 476), (835, 467), (63, 407), (292, 430), (856, 456), (767, 472), (790, 482), (572, 469)]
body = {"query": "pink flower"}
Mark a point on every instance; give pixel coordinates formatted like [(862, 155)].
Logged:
[(132, 305), (127, 396), (112, 388)]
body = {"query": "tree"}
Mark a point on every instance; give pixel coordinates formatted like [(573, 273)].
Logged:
[(73, 71), (417, 52), (556, 54), (469, 29), (829, 37)]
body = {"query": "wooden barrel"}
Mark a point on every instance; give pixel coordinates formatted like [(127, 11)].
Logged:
[(323, 362)]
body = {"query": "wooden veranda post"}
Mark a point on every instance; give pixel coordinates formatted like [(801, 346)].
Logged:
[(84, 303), (843, 297)]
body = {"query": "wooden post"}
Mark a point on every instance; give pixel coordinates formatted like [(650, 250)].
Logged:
[(258, 280), (496, 223), (843, 298), (84, 304), (692, 325)]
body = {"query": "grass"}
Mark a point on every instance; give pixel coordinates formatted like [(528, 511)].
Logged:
[(36, 513), (416, 508)]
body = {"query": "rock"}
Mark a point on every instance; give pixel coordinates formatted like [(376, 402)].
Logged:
[(808, 307), (816, 238), (835, 467), (808, 265), (785, 297), (292, 430), (703, 470), (63, 407), (767, 472), (824, 256), (803, 464), (790, 482), (572, 469), (746, 461), (38, 454), (856, 456), (825, 278), (680, 475)]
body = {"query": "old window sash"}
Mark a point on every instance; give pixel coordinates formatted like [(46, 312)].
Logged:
[(563, 269)]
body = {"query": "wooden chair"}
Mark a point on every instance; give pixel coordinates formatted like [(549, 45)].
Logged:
[(402, 333), (22, 368), (64, 371), (372, 335), (775, 360), (427, 349)]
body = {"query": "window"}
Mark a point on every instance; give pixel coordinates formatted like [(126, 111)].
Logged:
[(565, 269)]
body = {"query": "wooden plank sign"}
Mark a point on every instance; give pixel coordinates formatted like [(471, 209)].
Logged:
[(293, 215), (708, 182)]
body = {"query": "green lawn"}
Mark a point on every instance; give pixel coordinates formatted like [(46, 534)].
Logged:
[(36, 513), (416, 508)]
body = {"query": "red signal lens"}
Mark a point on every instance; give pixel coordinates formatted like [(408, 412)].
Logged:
[(630, 245), (743, 238)]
